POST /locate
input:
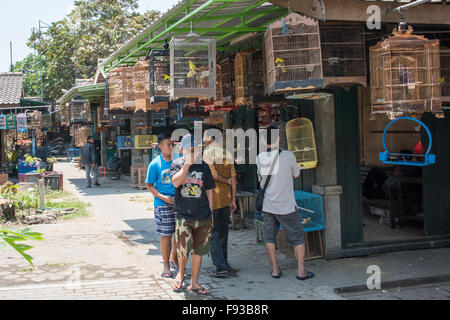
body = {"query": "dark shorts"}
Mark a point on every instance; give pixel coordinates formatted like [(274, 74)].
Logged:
[(193, 235), (290, 223)]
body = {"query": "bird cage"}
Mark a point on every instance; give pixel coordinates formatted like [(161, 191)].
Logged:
[(159, 118), (193, 67), (125, 142), (141, 84), (81, 134), (2, 122), (268, 113), (219, 95), (293, 56), (34, 120), (11, 123), (255, 75), (227, 71), (46, 121), (343, 53), (240, 77), (159, 76), (144, 141), (121, 93), (445, 74), (21, 120), (139, 119), (79, 111), (405, 75), (64, 115), (301, 141)]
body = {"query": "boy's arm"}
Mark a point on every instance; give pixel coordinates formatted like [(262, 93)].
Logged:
[(179, 176), (151, 188)]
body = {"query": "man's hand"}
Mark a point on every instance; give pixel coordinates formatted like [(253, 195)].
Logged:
[(233, 206), (230, 181), (168, 200)]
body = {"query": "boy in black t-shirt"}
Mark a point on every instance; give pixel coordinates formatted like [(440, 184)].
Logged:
[(194, 185)]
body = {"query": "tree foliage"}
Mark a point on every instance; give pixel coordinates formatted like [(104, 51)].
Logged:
[(70, 48)]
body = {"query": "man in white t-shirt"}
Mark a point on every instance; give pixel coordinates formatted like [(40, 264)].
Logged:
[(279, 206)]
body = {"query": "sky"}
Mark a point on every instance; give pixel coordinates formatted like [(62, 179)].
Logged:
[(18, 17)]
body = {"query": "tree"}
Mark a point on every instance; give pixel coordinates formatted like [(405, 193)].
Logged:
[(70, 48)]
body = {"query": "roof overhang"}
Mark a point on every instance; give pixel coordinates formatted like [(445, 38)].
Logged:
[(224, 19), (89, 92)]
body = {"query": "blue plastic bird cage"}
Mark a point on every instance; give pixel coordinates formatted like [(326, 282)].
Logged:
[(125, 142), (408, 159)]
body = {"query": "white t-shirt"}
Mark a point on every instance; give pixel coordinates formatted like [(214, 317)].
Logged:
[(279, 197)]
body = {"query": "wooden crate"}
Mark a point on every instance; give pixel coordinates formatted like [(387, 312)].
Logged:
[(405, 76), (293, 55), (313, 244), (134, 174)]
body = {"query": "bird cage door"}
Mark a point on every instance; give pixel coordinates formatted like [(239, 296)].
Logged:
[(293, 55), (301, 141), (193, 67)]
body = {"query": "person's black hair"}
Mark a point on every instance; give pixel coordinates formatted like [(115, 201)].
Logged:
[(209, 128), (89, 138), (163, 136), (269, 129)]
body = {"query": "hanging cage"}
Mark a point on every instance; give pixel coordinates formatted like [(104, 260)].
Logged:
[(79, 110), (21, 120), (11, 123), (405, 75), (445, 74), (418, 160), (145, 141), (193, 67), (159, 76), (227, 72), (141, 84), (255, 75), (121, 93), (3, 122), (140, 120), (301, 141), (219, 96), (293, 55), (240, 77), (46, 121), (268, 113), (34, 120), (159, 118), (343, 53), (64, 112), (81, 134)]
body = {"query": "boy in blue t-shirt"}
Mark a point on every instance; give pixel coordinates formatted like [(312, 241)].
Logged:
[(159, 183)]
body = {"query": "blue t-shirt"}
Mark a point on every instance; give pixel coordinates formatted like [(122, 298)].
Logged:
[(159, 176)]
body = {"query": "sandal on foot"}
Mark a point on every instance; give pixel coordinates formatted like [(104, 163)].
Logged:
[(174, 266), (200, 291), (309, 275), (179, 285), (167, 275), (223, 274), (277, 276)]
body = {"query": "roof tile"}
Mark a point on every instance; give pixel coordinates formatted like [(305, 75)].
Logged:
[(10, 88)]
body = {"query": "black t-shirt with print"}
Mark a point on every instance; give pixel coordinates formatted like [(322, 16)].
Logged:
[(191, 202)]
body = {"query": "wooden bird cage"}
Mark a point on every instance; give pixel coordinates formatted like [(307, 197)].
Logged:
[(255, 75), (121, 93), (159, 76), (79, 110), (64, 112), (81, 134), (268, 113), (343, 53), (301, 141), (405, 75), (219, 91), (102, 116), (293, 55), (34, 120), (445, 74), (227, 71), (193, 67), (141, 84), (46, 121), (140, 120), (240, 77)]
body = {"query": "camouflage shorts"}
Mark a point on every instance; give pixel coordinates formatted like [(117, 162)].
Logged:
[(193, 235)]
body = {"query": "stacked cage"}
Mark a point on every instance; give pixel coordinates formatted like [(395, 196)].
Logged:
[(193, 67), (121, 93), (81, 134), (35, 120), (141, 84), (445, 74), (240, 77), (293, 55), (405, 76), (159, 76), (79, 110), (219, 91), (343, 53), (46, 121), (227, 71), (255, 75), (64, 112), (140, 120), (268, 113)]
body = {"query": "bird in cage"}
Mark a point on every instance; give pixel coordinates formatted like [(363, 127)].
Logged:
[(280, 64), (193, 69), (166, 78)]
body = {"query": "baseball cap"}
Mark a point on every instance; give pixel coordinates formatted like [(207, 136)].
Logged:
[(188, 141)]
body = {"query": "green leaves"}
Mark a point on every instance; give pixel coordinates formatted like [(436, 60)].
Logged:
[(11, 237)]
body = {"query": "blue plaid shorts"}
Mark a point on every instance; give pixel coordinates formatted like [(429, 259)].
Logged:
[(165, 220)]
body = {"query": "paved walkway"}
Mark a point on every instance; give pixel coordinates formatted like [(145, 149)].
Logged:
[(114, 255)]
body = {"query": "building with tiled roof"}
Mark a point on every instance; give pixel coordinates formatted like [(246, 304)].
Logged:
[(11, 89)]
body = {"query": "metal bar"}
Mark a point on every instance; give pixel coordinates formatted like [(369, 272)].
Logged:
[(238, 15), (409, 5), (222, 30)]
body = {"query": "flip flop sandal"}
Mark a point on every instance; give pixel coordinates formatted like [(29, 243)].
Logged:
[(219, 274), (276, 277), (180, 284), (174, 266), (309, 275), (167, 275), (197, 291)]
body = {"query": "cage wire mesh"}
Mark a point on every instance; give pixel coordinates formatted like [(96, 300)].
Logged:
[(293, 55), (405, 76), (34, 120), (21, 121), (121, 93), (79, 110), (46, 121), (227, 70), (65, 119), (159, 75), (193, 67), (445, 74), (255, 75), (343, 52), (240, 77), (11, 123), (139, 119), (3, 122), (301, 141), (141, 84)]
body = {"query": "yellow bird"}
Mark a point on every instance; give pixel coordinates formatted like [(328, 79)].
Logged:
[(166, 78), (193, 69), (443, 80), (279, 63)]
